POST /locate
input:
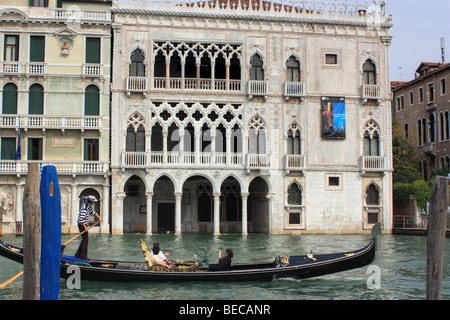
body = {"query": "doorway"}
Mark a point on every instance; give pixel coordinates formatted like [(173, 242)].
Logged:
[(166, 217)]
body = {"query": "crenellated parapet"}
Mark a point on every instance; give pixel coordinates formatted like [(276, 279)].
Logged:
[(326, 12)]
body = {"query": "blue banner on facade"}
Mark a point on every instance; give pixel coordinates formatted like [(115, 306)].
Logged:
[(333, 117)]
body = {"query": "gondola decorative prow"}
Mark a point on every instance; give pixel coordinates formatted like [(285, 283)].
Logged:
[(146, 255)]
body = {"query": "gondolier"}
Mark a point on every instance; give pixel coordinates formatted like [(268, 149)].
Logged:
[(86, 210)]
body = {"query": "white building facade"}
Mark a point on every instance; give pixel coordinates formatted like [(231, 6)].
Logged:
[(270, 118)]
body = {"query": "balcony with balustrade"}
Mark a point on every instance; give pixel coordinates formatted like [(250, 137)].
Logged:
[(371, 92), (294, 90), (136, 85), (191, 84), (45, 122), (294, 162), (62, 167), (257, 88), (373, 164), (176, 159)]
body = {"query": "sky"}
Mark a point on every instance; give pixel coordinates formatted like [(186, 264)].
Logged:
[(418, 28)]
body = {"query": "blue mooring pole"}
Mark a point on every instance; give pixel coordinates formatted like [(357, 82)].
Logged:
[(50, 234)]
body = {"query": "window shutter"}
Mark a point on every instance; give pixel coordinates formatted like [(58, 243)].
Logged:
[(36, 100), (91, 101), (37, 48), (92, 50), (8, 151), (9, 99)]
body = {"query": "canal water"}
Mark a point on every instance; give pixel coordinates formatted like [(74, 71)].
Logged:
[(400, 263)]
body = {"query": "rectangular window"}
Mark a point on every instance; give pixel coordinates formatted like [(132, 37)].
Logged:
[(38, 3), (372, 217), (431, 92), (333, 181), (443, 87), (331, 58), (92, 50), (295, 218), (34, 148), (11, 52), (37, 48), (90, 149), (420, 95), (411, 98), (8, 149)]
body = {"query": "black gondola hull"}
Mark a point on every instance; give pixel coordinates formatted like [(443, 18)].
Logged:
[(299, 267)]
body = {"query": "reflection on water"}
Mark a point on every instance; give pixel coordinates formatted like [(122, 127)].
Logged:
[(401, 259)]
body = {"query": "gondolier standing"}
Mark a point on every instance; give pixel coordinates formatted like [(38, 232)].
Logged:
[(86, 210)]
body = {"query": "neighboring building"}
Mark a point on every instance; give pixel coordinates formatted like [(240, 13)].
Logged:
[(269, 118), (421, 107), (55, 82)]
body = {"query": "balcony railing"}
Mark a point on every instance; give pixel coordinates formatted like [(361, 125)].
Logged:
[(197, 84), (430, 147), (294, 89), (373, 163), (62, 167), (257, 88), (370, 92), (80, 15), (11, 67), (155, 158), (27, 121), (36, 68), (92, 70), (136, 84), (294, 162), (258, 161)]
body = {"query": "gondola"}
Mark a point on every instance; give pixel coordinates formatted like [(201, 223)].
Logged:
[(298, 267)]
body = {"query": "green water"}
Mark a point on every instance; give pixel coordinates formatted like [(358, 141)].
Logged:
[(401, 260)]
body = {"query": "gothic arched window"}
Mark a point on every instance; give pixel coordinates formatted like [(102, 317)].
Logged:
[(135, 141), (372, 195), (369, 72), (137, 68), (292, 70), (256, 69), (371, 139), (294, 195)]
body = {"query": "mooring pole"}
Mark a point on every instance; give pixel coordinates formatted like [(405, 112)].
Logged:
[(437, 225), (31, 234), (51, 234)]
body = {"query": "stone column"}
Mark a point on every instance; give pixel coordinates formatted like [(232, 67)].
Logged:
[(197, 144), (178, 196), (165, 133), (104, 225), (216, 213), (117, 227), (73, 228), (149, 216), (244, 197), (228, 134)]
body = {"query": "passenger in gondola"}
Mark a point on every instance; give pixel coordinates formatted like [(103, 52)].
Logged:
[(162, 256), (225, 262), (156, 260)]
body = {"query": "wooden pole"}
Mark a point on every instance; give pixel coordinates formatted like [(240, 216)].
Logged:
[(31, 234), (437, 225), (51, 233)]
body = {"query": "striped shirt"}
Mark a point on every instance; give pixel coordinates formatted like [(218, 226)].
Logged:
[(85, 211)]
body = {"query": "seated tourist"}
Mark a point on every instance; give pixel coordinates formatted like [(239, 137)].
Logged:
[(156, 260)]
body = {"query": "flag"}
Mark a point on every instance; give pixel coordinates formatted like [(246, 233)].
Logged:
[(19, 150)]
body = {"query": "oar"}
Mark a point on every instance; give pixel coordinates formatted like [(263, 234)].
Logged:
[(4, 284), (63, 246)]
